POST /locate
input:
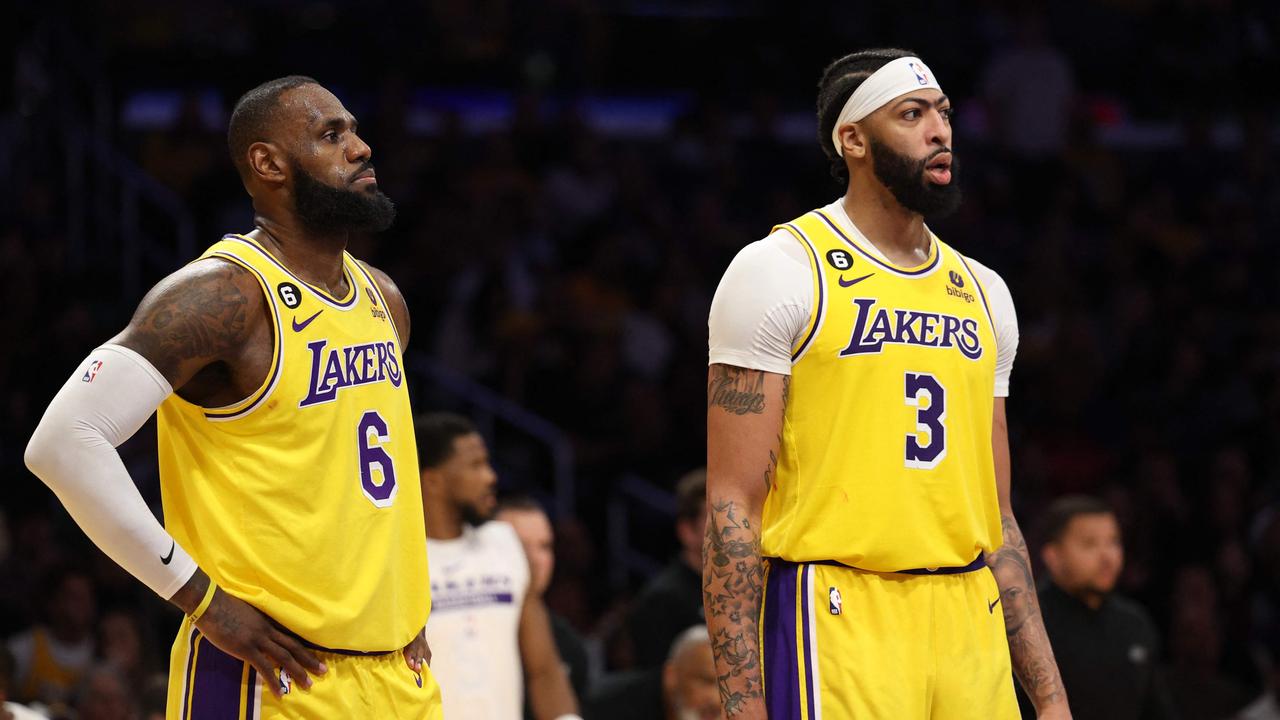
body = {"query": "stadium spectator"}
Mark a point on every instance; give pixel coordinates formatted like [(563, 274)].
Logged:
[(10, 710), (672, 599), (51, 656), (534, 529), (683, 688), (1107, 647)]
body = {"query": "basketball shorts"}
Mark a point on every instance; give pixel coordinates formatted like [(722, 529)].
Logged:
[(846, 644), (206, 683)]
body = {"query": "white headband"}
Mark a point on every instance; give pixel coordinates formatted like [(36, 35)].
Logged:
[(895, 78)]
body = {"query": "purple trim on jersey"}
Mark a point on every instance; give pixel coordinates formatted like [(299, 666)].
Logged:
[(982, 294), (937, 255), (822, 291), (778, 640), (806, 604), (187, 673), (218, 414), (380, 298), (326, 297), (216, 684)]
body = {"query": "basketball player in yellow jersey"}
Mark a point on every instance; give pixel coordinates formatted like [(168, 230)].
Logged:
[(860, 538), (294, 524)]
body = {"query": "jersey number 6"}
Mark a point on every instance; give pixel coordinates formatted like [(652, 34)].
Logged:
[(927, 395), (375, 463)]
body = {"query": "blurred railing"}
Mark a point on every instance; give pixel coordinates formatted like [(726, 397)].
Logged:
[(487, 406), (633, 495), (107, 196)]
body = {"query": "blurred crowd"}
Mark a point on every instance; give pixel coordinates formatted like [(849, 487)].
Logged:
[(571, 269)]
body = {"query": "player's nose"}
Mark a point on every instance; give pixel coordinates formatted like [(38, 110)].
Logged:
[(358, 150)]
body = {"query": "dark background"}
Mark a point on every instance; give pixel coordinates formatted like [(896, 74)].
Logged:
[(574, 176)]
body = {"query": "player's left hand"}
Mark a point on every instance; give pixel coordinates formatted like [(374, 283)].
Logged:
[(417, 654)]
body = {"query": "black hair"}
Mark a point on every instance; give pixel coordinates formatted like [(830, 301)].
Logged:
[(435, 434), (838, 82), (253, 114), (1065, 509), (523, 503)]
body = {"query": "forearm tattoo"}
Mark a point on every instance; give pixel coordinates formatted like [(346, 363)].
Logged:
[(732, 585), (1029, 648)]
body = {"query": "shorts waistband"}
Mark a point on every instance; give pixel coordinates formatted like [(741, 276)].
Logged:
[(977, 564)]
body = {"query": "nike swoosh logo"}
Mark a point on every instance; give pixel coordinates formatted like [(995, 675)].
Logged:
[(855, 281), (991, 607), (300, 326), (168, 558)]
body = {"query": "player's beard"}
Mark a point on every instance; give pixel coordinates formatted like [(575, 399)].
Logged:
[(324, 209), (905, 178), (473, 516)]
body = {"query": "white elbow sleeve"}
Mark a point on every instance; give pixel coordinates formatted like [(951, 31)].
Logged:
[(73, 451)]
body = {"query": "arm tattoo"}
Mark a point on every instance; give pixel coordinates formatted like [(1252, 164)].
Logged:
[(202, 318), (1029, 649), (733, 583), (737, 390), (771, 471)]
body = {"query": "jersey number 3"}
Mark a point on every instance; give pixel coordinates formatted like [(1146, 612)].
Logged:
[(928, 444), (377, 471)]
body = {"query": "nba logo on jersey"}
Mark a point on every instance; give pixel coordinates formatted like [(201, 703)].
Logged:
[(92, 372), (837, 603), (285, 682), (919, 71)]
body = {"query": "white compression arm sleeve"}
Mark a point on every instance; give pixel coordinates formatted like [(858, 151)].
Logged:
[(73, 451)]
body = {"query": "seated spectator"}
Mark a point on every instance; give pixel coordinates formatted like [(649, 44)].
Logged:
[(51, 657), (672, 600), (533, 527), (11, 710), (1106, 645), (104, 694), (685, 688)]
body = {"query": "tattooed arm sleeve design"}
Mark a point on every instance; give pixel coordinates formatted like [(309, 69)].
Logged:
[(1029, 648), (744, 427)]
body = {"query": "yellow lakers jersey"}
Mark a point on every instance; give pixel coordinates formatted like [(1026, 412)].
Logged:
[(885, 461), (303, 499)]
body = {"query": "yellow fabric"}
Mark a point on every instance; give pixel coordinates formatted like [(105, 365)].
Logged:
[(355, 686), (903, 647), (286, 499), (884, 342), (48, 681)]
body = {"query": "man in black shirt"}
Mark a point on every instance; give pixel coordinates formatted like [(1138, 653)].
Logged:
[(1106, 645), (672, 599)]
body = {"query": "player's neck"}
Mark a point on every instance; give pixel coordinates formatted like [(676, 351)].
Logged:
[(444, 522), (896, 232), (314, 258)]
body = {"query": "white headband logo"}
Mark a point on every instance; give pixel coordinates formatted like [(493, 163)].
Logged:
[(897, 77)]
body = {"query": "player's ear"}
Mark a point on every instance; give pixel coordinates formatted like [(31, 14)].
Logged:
[(1051, 557), (853, 138), (267, 163)]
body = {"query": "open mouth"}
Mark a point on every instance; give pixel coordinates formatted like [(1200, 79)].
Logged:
[(939, 169)]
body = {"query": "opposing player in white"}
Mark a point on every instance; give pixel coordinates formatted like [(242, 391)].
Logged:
[(497, 633)]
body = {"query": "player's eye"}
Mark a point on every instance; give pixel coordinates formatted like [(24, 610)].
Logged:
[(947, 113), (331, 136), (911, 115)]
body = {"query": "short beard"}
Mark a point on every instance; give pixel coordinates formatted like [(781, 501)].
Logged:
[(324, 210), (905, 178), (472, 516)]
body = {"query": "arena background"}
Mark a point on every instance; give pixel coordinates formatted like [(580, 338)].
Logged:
[(574, 176)]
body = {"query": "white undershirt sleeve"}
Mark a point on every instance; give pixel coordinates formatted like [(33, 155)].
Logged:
[(762, 305), (73, 450), (1005, 320)]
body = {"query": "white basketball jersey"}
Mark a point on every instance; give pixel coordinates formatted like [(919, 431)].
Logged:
[(478, 586)]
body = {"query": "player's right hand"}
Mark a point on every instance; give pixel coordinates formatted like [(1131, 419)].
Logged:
[(240, 629)]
